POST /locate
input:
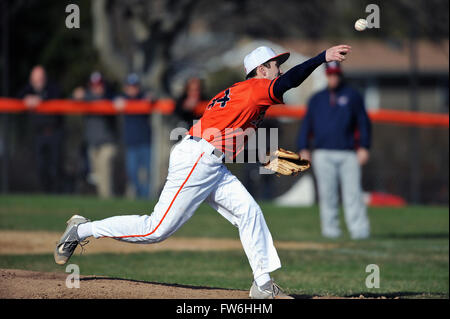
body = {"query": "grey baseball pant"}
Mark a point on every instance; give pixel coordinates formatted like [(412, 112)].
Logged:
[(333, 168)]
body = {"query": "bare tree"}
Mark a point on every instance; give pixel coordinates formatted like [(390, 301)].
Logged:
[(137, 35)]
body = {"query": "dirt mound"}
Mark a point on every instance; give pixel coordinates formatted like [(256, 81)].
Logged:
[(24, 284)]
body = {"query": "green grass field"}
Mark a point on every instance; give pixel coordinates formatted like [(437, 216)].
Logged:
[(410, 246)]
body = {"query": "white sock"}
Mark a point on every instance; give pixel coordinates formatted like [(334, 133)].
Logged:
[(84, 230), (262, 279)]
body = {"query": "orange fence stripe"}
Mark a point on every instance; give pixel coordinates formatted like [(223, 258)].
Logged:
[(291, 111), (167, 106), (11, 105), (409, 118), (379, 116)]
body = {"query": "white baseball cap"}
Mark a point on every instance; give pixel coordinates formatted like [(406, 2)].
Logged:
[(262, 55)]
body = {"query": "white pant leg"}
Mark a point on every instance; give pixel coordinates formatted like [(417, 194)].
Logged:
[(352, 196), (193, 173), (234, 202), (326, 172)]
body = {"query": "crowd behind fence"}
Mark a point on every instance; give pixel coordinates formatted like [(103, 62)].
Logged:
[(111, 144)]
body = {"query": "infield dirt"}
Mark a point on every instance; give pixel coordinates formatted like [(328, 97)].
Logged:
[(24, 284)]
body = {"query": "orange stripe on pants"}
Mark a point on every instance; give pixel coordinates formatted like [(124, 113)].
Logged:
[(164, 216)]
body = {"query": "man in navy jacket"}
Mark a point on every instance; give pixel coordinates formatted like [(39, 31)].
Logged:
[(337, 124)]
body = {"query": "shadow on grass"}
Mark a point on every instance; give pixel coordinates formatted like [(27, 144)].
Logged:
[(397, 294), (365, 295), (412, 236), (153, 283)]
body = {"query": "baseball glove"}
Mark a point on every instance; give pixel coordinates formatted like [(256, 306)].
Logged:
[(284, 162)]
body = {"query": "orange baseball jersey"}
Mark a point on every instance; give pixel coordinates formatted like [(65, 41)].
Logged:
[(231, 112)]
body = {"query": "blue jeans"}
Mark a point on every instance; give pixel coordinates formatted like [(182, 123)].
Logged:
[(138, 168)]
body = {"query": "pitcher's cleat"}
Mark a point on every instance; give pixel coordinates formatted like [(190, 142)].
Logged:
[(270, 290), (69, 240)]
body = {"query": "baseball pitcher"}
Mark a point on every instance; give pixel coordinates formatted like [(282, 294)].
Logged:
[(197, 173)]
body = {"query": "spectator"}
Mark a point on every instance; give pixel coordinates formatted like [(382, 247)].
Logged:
[(192, 95), (100, 137), (333, 118), (47, 130), (137, 138)]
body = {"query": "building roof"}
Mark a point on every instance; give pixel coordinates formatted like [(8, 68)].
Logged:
[(381, 56)]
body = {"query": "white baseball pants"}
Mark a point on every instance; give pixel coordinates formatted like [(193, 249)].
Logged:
[(196, 175)]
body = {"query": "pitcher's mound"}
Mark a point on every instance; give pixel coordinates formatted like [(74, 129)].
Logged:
[(26, 284)]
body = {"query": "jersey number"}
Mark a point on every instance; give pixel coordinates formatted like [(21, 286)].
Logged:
[(223, 100)]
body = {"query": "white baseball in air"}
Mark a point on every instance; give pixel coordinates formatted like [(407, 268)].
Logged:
[(361, 24)]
